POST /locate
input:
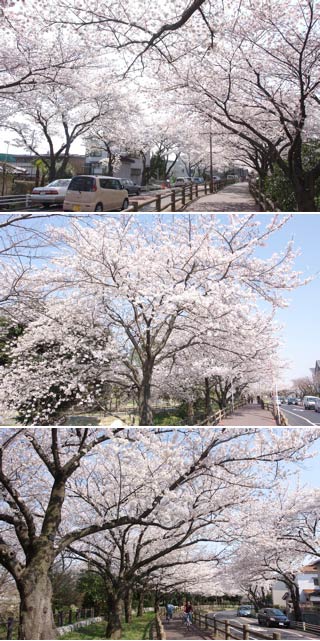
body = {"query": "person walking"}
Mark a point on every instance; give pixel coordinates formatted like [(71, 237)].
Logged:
[(169, 612)]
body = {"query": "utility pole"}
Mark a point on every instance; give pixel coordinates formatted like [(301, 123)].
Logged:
[(211, 162)]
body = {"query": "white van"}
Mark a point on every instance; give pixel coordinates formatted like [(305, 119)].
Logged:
[(309, 402), (95, 193)]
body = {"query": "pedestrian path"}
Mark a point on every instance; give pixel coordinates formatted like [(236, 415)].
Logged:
[(235, 197), (250, 415), (176, 629)]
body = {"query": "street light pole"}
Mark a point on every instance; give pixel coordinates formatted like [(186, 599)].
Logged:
[(4, 168)]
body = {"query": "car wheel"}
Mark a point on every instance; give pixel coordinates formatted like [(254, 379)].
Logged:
[(125, 204), (98, 207)]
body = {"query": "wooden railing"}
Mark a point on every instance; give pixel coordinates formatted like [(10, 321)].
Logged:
[(176, 199), (217, 417), (265, 204), (276, 411), (228, 629)]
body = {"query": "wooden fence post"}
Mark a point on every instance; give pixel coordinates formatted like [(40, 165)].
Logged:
[(205, 188), (158, 202), (196, 191), (276, 635), (135, 205), (215, 627), (191, 192), (206, 621), (173, 200), (227, 629), (183, 195), (245, 631)]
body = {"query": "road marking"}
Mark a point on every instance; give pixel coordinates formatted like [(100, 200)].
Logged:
[(301, 417)]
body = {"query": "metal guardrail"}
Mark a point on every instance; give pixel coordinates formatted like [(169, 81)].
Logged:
[(305, 627), (180, 196), (15, 202)]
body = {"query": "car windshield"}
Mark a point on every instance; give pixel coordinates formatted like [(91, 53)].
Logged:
[(81, 183), (277, 612), (60, 183)]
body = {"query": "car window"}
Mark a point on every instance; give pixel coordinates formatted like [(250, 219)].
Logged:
[(109, 183), (81, 183)]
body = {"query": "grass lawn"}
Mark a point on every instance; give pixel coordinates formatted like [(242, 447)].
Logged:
[(138, 629)]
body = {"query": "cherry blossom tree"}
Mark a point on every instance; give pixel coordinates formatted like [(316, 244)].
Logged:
[(160, 289), (65, 499)]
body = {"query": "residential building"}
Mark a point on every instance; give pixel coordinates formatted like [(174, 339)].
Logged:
[(315, 371), (27, 163), (129, 167), (308, 581)]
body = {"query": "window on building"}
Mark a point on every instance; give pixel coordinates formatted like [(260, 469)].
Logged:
[(135, 171)]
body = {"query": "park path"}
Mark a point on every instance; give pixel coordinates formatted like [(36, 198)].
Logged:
[(250, 415), (235, 197), (176, 629)]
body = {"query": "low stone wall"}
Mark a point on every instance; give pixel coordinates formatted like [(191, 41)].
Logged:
[(79, 624)]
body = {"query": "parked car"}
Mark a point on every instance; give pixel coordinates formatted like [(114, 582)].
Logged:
[(130, 186), (52, 194), (292, 400), (309, 402), (182, 181), (245, 611), (95, 193), (197, 180), (317, 405), (273, 617)]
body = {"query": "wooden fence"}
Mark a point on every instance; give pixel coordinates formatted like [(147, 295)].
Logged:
[(176, 199), (232, 630), (265, 204), (61, 618), (276, 411), (229, 629)]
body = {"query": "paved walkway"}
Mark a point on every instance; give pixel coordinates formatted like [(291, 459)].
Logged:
[(250, 415), (235, 197), (176, 629)]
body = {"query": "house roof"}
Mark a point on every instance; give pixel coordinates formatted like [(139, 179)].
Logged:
[(311, 568)]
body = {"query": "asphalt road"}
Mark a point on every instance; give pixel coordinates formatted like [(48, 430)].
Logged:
[(297, 415), (254, 626)]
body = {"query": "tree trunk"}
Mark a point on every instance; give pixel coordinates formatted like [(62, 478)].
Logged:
[(140, 603), (146, 414), (156, 603), (36, 617), (295, 597), (207, 398), (190, 412), (305, 198), (128, 606), (114, 627), (52, 170)]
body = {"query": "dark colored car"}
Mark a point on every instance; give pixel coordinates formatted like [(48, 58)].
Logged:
[(273, 617), (130, 186), (245, 611)]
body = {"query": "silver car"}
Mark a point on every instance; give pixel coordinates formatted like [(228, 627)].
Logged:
[(52, 194)]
